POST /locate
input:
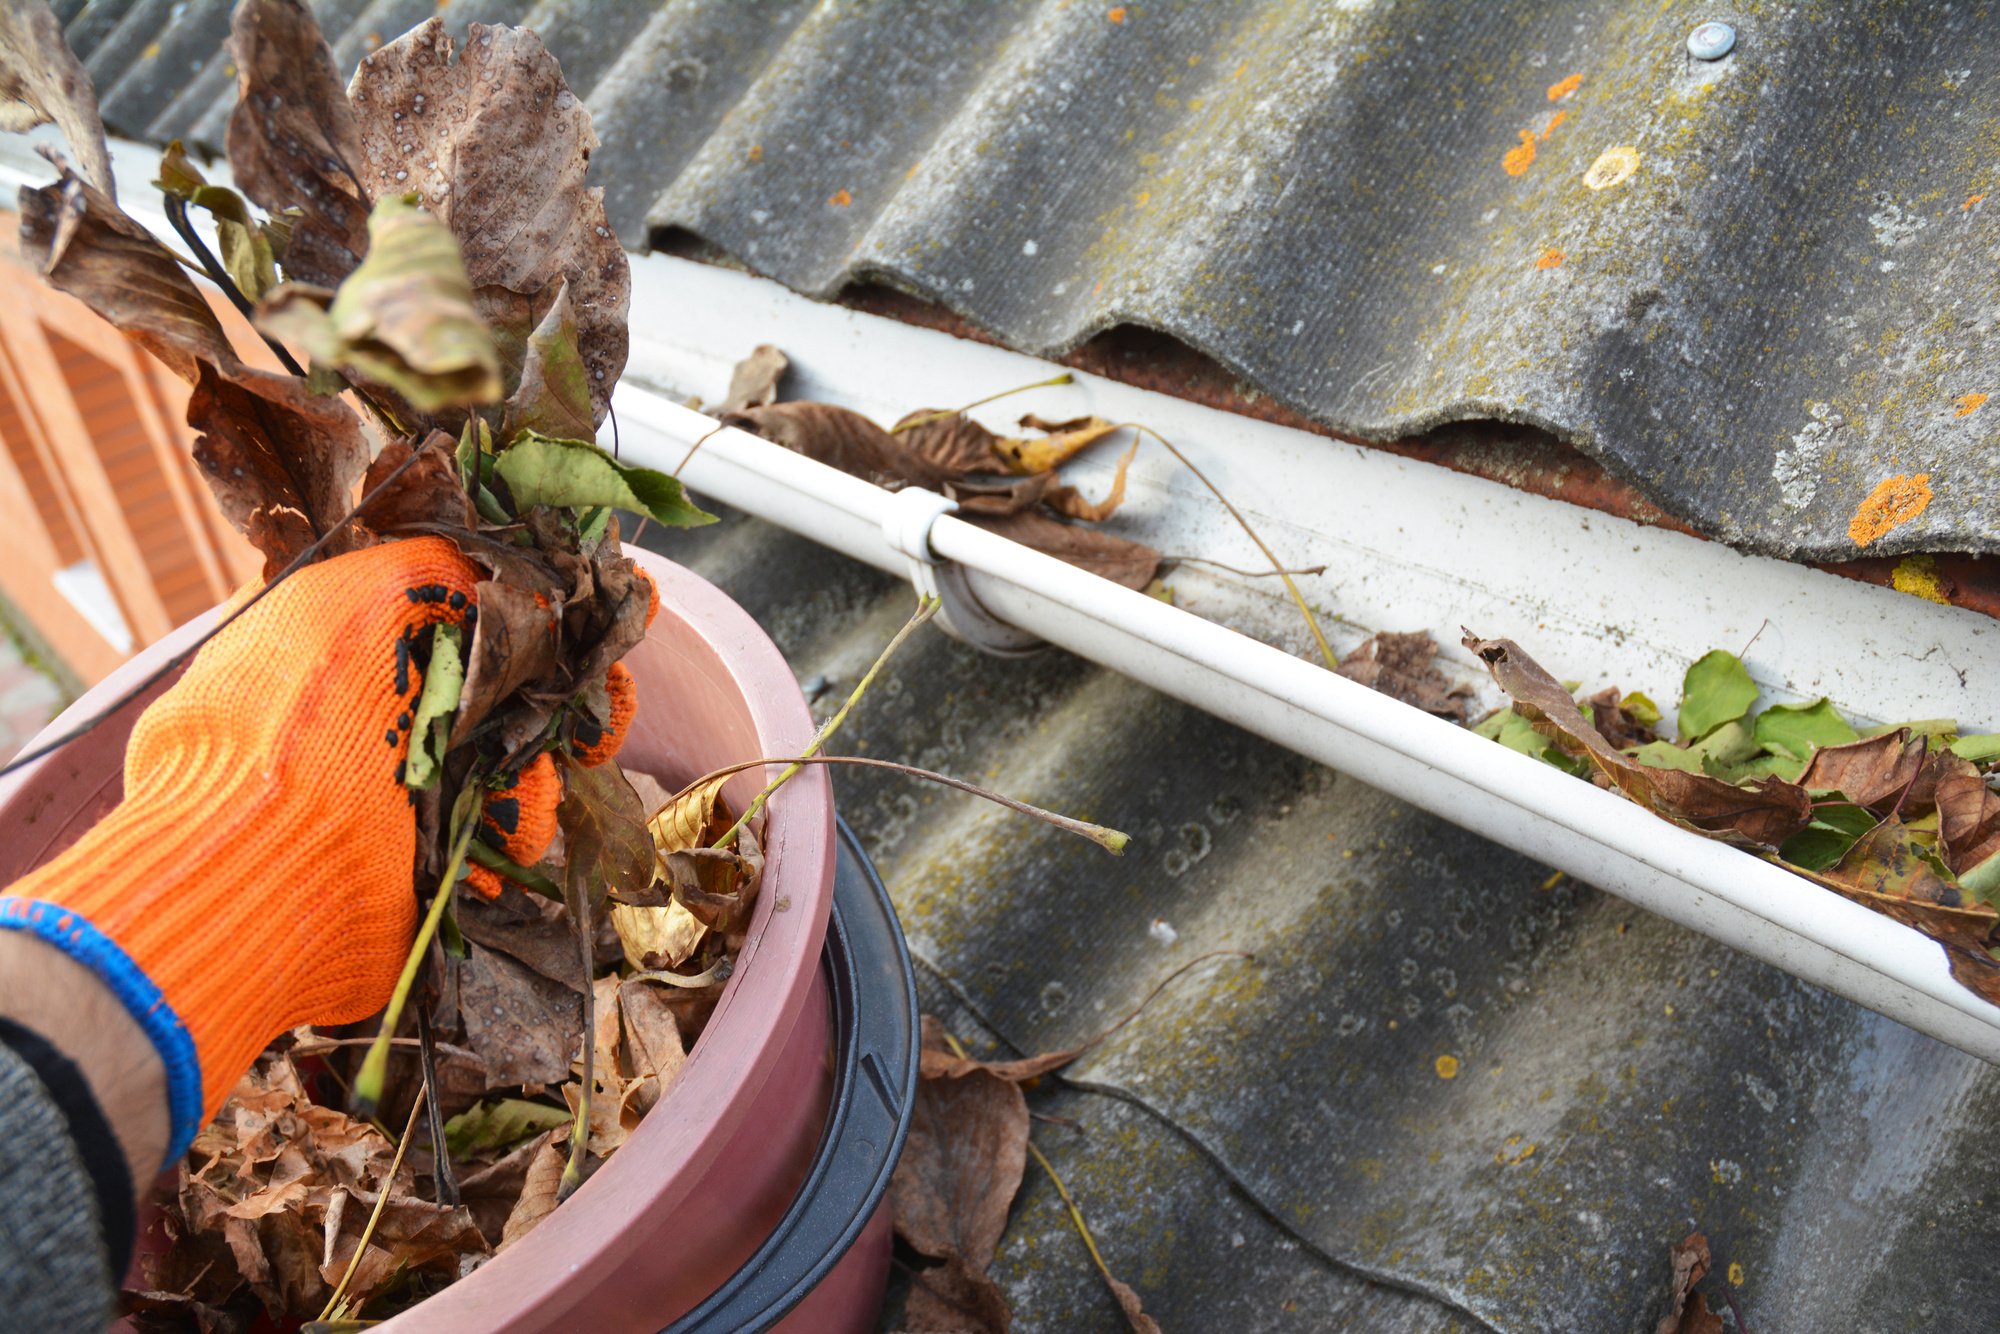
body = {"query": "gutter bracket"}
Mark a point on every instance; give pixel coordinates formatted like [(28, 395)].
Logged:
[(906, 526)]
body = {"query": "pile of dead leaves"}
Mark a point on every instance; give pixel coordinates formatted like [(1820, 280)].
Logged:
[(1007, 485), (1904, 818)]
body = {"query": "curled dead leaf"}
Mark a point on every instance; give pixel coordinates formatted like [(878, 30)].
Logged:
[(496, 145), (1404, 667), (1874, 772), (1060, 442), (292, 138), (42, 82), (754, 382)]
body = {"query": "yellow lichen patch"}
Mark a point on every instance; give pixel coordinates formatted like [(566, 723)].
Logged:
[(1447, 1066), (1735, 1274), (1918, 576), (1612, 166), (1514, 1152), (756, 153), (1563, 88), (1551, 258), (1967, 404), (840, 199), (1522, 156), (1894, 501)]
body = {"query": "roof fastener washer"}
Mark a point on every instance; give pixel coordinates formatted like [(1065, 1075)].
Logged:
[(1711, 41)]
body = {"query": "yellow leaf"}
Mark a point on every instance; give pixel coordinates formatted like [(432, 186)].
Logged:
[(685, 821), (1060, 444), (1068, 500), (656, 938)]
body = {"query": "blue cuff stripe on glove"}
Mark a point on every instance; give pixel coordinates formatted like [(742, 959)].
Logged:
[(76, 937)]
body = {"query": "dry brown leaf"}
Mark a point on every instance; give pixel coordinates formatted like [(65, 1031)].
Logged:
[(1968, 813), (754, 382), (1764, 815), (1063, 441), (967, 1149), (1118, 559), (654, 1052), (427, 493), (999, 497), (656, 938), (531, 929), (955, 1298), (1404, 667), (292, 138), (1068, 501), (41, 83), (551, 392), (610, 1119), (1618, 724), (1874, 772), (1690, 1261), (497, 146), (951, 440), (523, 1025), (844, 440), (490, 1190), (538, 1188), (689, 820), (514, 642), (281, 460)]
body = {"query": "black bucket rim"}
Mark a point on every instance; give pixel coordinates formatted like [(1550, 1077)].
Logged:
[(874, 1090)]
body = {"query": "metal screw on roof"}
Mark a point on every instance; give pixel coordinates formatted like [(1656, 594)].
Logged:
[(1711, 41)]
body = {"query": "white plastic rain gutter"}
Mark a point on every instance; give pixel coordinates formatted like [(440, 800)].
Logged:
[(1407, 546)]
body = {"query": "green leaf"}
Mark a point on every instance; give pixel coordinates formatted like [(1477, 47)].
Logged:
[(1728, 746), (1515, 732), (1666, 755), (500, 1124), (540, 470), (404, 318), (1716, 690), (554, 395), (1825, 841), (1983, 881), (1981, 749), (1800, 729), (1641, 707), (430, 732), (1926, 727)]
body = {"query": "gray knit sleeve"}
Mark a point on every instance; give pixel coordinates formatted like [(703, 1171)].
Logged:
[(54, 1271)]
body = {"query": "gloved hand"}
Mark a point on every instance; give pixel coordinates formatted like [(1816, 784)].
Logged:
[(256, 874)]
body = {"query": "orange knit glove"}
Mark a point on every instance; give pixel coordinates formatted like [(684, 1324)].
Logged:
[(256, 874)]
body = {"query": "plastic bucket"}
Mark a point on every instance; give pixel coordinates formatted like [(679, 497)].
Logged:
[(715, 1170)]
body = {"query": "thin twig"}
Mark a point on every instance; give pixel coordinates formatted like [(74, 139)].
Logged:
[(1247, 574), (1111, 840), (381, 1199), (374, 1066), (447, 1183), (1277, 566), (154, 677), (926, 608), (1075, 1216), (177, 215), (578, 900), (929, 417), (693, 447)]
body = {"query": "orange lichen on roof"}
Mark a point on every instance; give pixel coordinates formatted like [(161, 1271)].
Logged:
[(1894, 502), (756, 153), (1967, 404), (1117, 14), (1563, 88), (841, 199), (1550, 259), (1974, 199), (1521, 157)]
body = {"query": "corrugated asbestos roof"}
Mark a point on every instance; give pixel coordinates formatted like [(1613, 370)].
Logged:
[(1273, 1146), (1381, 215)]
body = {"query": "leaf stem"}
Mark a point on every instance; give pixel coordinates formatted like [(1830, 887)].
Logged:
[(526, 876), (1111, 840), (929, 417), (1277, 566), (368, 1082), (177, 215), (1075, 1214), (381, 1199), (927, 607)]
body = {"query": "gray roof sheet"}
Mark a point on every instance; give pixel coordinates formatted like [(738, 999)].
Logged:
[(1784, 303)]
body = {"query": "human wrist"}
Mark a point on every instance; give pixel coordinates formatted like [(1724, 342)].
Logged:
[(68, 1005)]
